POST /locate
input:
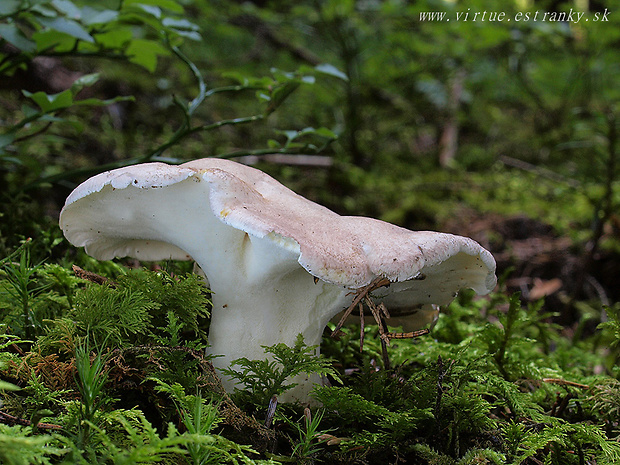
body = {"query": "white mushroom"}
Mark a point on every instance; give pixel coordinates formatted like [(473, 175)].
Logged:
[(262, 248)]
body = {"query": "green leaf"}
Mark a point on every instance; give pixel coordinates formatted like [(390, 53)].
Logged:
[(4, 386), (282, 76), (29, 111), (137, 16), (169, 5), (145, 52), (53, 40), (331, 70), (280, 94), (53, 102), (327, 133), (91, 16), (180, 24), (263, 96), (67, 8), (67, 26), (14, 36), (183, 27), (248, 81), (8, 7), (6, 139), (84, 81), (9, 159), (42, 9), (151, 10), (115, 38), (289, 134), (95, 102)]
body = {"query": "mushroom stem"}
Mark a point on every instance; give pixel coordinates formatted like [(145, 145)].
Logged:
[(248, 318)]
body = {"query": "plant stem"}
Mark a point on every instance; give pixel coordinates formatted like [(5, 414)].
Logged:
[(179, 135), (603, 211)]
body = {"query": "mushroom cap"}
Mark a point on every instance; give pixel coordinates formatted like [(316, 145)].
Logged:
[(143, 210)]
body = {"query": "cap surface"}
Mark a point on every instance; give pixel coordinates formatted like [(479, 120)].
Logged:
[(140, 210)]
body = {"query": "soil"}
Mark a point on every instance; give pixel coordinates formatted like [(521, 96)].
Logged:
[(540, 263)]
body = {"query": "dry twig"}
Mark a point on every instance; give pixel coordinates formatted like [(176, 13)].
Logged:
[(92, 277), (379, 313), (411, 335), (12, 420), (360, 294)]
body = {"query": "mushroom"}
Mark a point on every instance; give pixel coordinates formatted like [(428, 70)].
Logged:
[(277, 263)]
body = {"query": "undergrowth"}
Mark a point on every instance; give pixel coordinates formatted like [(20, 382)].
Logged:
[(113, 369)]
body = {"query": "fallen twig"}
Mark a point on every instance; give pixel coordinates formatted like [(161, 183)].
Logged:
[(411, 335), (565, 382), (92, 277), (359, 296), (12, 420)]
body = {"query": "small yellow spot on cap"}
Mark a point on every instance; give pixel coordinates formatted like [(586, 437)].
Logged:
[(225, 212)]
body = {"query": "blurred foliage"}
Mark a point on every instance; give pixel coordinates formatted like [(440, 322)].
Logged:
[(424, 122), (520, 115)]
